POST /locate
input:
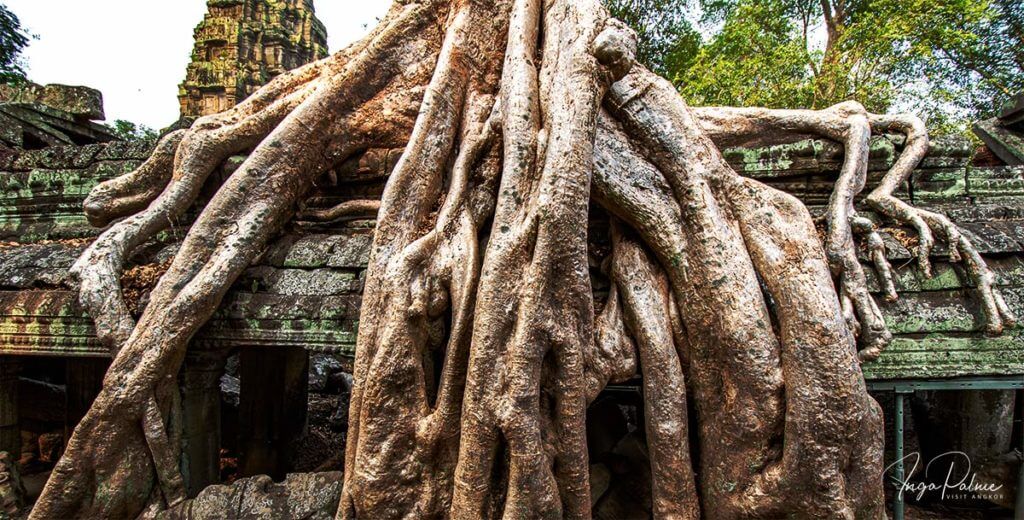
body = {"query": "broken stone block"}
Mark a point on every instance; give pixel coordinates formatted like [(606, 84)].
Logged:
[(312, 496), (322, 368), (339, 419), (230, 388), (51, 445), (83, 102), (12, 491)]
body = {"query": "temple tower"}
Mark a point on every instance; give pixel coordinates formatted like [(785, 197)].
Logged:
[(242, 44)]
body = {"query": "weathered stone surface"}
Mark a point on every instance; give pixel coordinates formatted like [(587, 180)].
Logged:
[(908, 278), (819, 155), (52, 323), (304, 291), (81, 102), (37, 117), (996, 184), (942, 355), (312, 496), (33, 126), (37, 265), (12, 491), (1004, 135), (39, 203), (242, 44), (315, 251), (293, 282), (57, 157), (941, 311), (323, 368), (127, 150)]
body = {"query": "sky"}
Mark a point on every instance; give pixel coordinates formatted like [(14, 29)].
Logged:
[(136, 51)]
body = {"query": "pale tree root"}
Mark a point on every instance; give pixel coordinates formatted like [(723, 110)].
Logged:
[(122, 460), (865, 228), (832, 426), (646, 296), (997, 314), (756, 461), (524, 414), (613, 359), (734, 354), (474, 368), (739, 402), (390, 341), (849, 124), (395, 421), (168, 183), (347, 209)]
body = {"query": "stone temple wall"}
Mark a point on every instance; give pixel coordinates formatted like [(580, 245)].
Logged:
[(305, 290), (296, 311), (36, 116), (937, 321)]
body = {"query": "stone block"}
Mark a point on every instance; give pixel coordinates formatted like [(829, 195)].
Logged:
[(127, 150), (314, 496), (83, 102)]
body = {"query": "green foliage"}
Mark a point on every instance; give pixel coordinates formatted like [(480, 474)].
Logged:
[(753, 61), (974, 62), (950, 61), (128, 131), (13, 40)]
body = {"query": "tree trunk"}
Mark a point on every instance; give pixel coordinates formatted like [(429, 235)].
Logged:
[(517, 118)]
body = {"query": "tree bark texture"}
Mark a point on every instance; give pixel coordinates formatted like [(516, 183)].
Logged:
[(518, 118)]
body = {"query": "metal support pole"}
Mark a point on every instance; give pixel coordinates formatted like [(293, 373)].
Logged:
[(904, 387), (897, 503)]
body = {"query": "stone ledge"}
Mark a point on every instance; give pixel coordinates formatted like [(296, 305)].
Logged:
[(83, 102)]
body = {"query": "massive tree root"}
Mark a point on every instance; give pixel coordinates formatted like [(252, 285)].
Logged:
[(515, 116), (849, 124)]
